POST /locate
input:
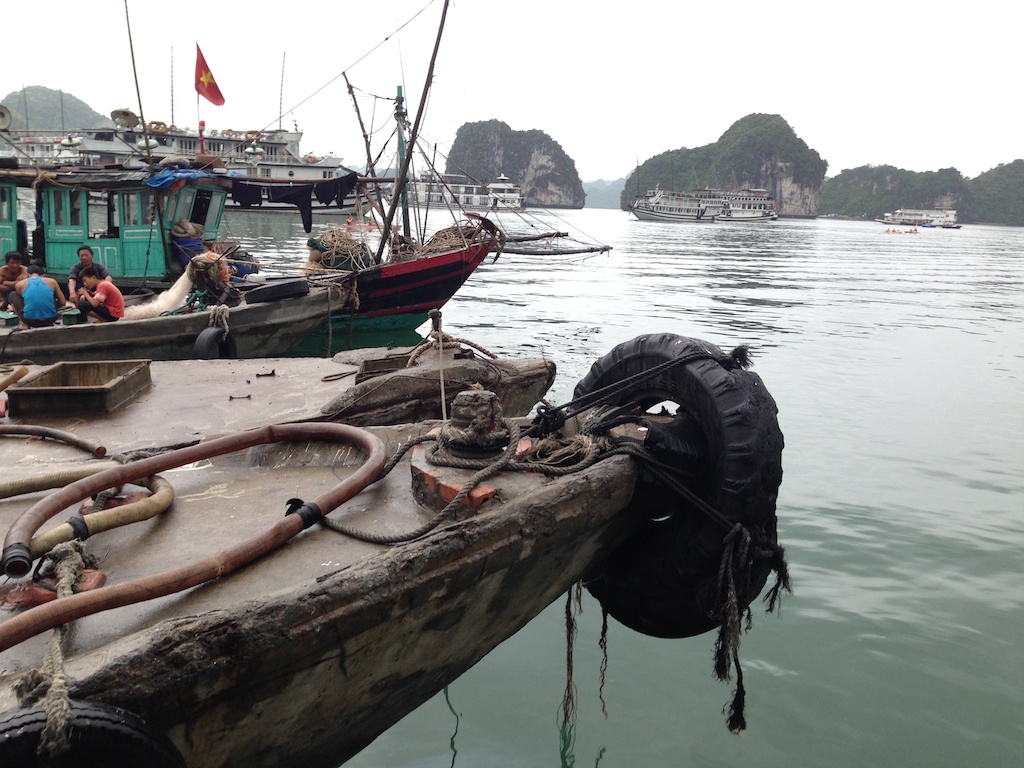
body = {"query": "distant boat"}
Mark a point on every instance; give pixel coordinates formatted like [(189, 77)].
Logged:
[(747, 206), (661, 205), (909, 217), (459, 191), (273, 154)]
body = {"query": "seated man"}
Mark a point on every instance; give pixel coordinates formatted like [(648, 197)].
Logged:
[(103, 301), (10, 273), (36, 299), (86, 259)]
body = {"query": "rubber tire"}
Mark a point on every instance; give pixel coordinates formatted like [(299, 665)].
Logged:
[(285, 289), (662, 581), (102, 736), (214, 343)]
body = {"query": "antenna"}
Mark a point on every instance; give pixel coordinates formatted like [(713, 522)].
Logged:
[(5, 118), (172, 85), (280, 98)]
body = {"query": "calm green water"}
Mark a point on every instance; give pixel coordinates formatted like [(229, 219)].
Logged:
[(897, 362)]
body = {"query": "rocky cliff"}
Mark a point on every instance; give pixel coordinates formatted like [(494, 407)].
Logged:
[(546, 174), (757, 152)]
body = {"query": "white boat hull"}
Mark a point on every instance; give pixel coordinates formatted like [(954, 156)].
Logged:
[(645, 214), (745, 217)]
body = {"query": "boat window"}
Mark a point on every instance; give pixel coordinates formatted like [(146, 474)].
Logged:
[(137, 208), (113, 204), (76, 207), (129, 209), (5, 204), (183, 206), (201, 207), (58, 208), (211, 204)]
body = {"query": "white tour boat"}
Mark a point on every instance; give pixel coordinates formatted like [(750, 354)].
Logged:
[(662, 205), (748, 206), (908, 217), (272, 154), (458, 191)]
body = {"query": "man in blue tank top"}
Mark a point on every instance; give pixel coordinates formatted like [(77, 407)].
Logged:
[(38, 299)]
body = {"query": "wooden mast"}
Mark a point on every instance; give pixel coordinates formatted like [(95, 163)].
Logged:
[(413, 135)]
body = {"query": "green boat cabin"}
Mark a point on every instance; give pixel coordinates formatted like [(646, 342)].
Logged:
[(125, 221)]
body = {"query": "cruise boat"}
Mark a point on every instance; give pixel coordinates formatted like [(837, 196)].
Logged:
[(458, 191), (748, 206), (272, 154), (908, 217), (661, 205)]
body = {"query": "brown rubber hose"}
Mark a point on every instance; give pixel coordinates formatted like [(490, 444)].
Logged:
[(63, 610), (104, 520), (55, 434), (56, 479)]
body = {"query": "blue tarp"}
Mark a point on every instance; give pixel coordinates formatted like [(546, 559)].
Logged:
[(164, 179)]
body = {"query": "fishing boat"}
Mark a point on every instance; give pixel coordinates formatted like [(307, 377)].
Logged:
[(662, 205), (911, 217), (147, 226), (267, 580)]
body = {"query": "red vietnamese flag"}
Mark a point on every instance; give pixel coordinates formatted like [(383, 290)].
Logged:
[(206, 86)]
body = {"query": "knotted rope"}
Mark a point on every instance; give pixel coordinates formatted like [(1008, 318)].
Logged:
[(445, 341), (219, 317), (48, 683)]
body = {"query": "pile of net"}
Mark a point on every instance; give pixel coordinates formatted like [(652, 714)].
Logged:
[(337, 250)]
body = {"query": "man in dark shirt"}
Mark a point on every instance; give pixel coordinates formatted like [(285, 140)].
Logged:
[(76, 291)]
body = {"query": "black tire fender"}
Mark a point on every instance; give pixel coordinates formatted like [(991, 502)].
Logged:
[(284, 289), (663, 580), (214, 343), (101, 736)]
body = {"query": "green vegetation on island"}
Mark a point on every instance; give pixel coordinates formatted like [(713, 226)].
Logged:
[(44, 109), (758, 151), (994, 197)]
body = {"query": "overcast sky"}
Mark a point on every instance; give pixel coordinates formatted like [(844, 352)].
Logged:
[(918, 85)]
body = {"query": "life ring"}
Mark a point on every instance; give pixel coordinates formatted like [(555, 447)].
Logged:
[(229, 133), (99, 734), (253, 135), (156, 126), (214, 343), (310, 159), (663, 580)]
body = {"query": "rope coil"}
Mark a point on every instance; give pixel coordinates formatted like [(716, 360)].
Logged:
[(48, 683)]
